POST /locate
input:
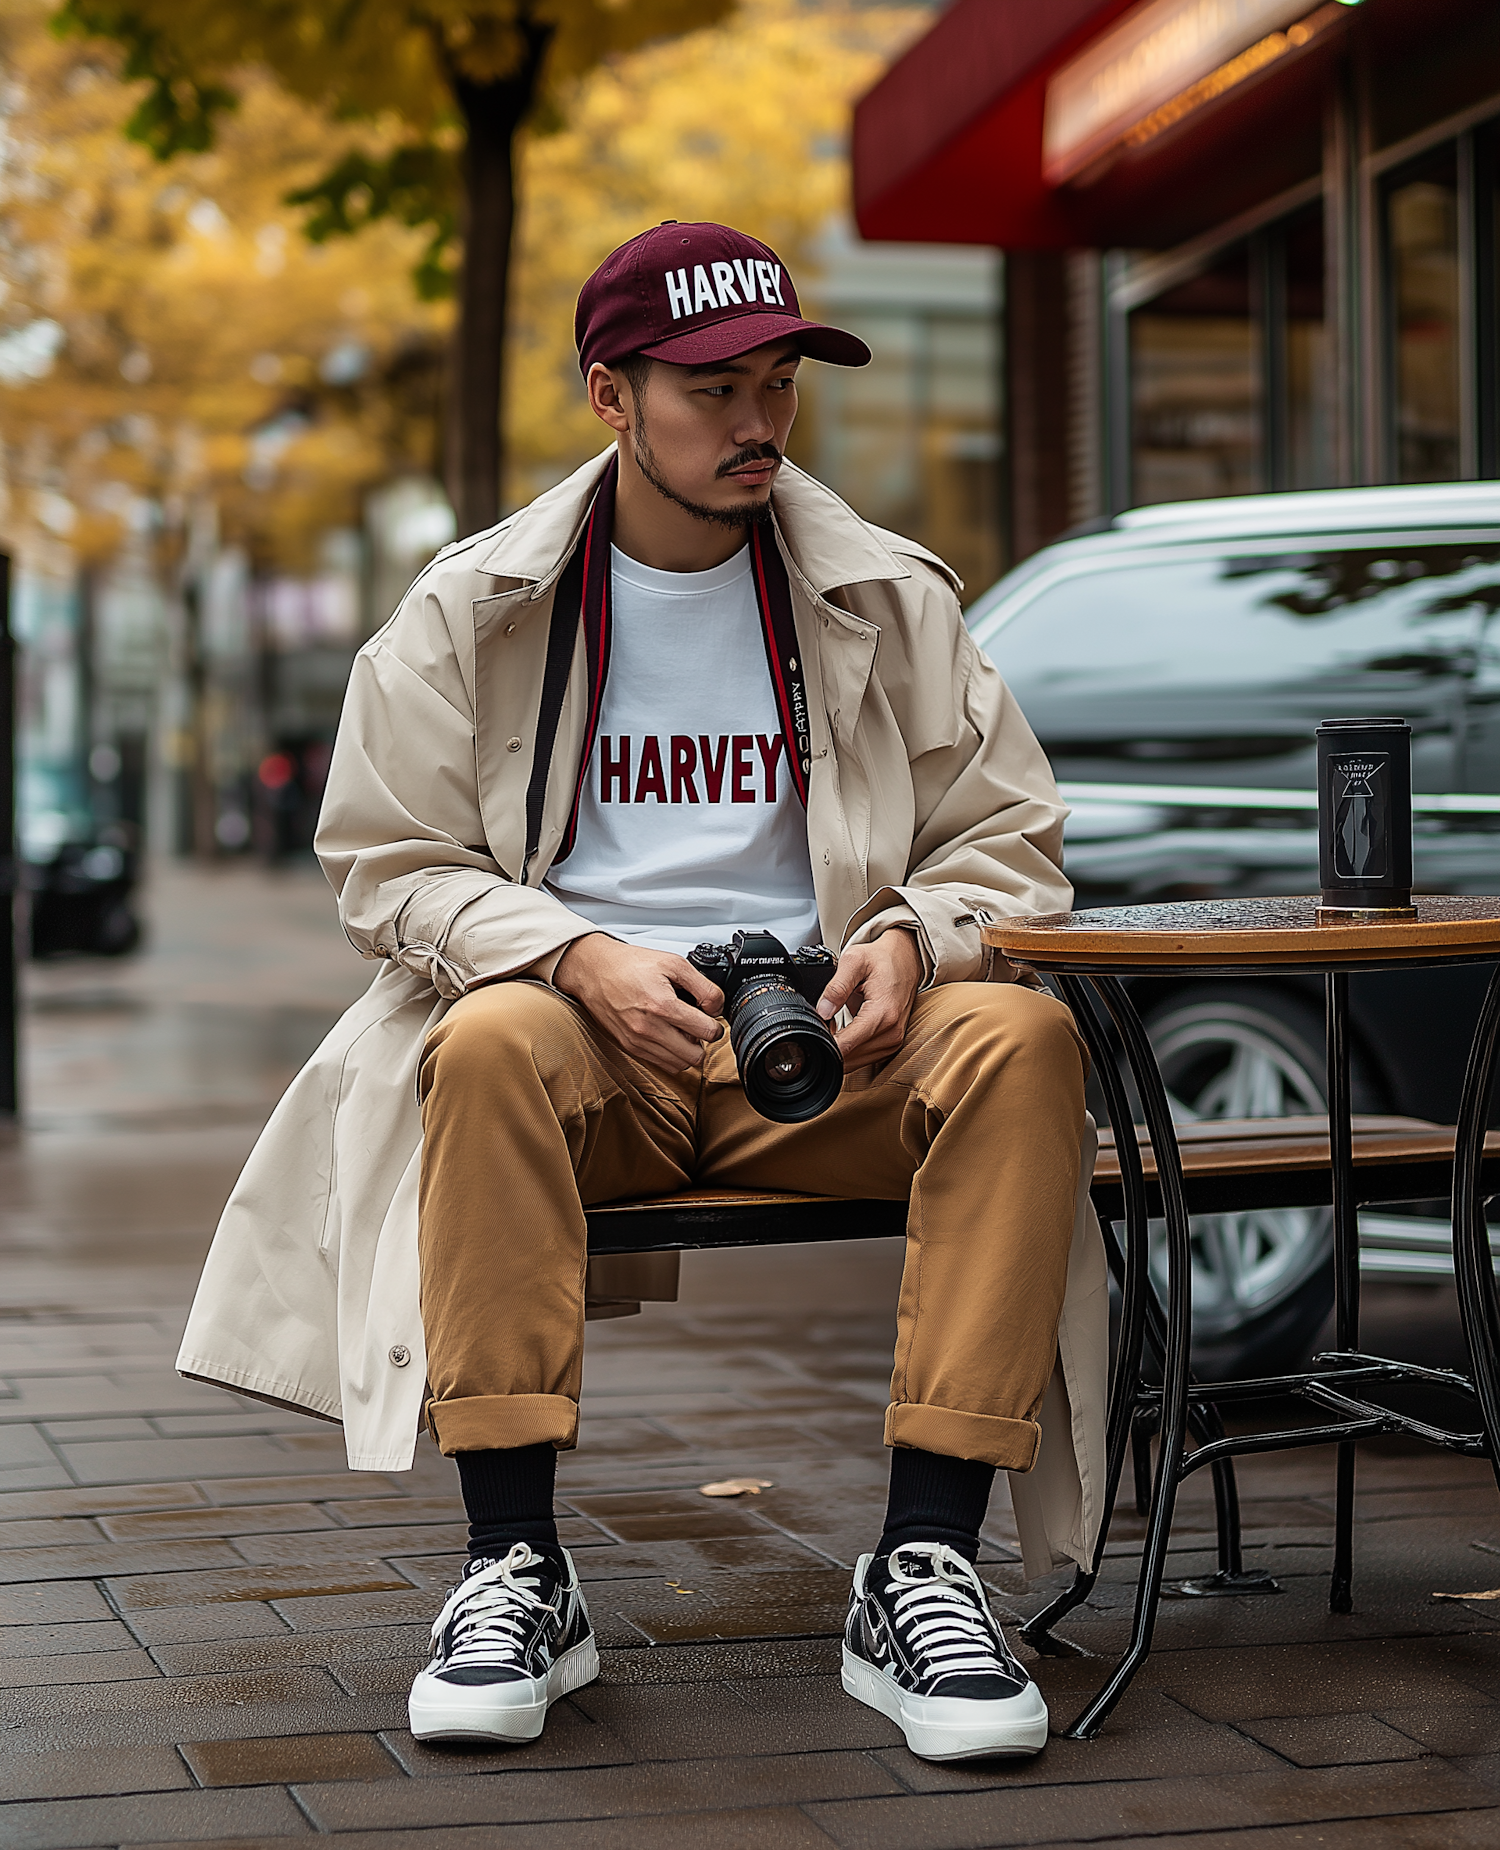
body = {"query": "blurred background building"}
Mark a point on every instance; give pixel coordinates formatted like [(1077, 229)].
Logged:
[(1249, 244)]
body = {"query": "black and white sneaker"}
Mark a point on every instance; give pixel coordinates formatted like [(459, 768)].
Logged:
[(512, 1637), (922, 1646)]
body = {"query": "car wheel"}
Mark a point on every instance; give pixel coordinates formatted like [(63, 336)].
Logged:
[(1262, 1281), (116, 931)]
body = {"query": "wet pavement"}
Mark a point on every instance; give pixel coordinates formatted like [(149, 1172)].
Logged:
[(211, 1624)]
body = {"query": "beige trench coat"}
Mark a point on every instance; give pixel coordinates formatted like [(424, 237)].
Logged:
[(930, 802)]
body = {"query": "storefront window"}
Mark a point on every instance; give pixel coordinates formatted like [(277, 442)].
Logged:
[(1309, 455), (1421, 221), (911, 441), (1195, 377)]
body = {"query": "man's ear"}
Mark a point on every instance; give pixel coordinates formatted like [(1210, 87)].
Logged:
[(610, 398)]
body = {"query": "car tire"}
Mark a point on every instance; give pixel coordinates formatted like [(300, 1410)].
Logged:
[(116, 931), (1262, 1282)]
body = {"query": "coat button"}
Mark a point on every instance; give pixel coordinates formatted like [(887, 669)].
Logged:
[(510, 629), (400, 1355), (513, 745)]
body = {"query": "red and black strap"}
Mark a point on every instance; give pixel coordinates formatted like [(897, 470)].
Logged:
[(773, 593), (583, 590), (597, 622)]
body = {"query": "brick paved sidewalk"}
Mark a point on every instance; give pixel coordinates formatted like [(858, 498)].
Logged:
[(212, 1625)]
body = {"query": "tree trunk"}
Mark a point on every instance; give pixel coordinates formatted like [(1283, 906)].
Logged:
[(492, 113)]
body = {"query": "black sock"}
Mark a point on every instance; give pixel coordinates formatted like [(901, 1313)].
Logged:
[(935, 1499), (508, 1498)]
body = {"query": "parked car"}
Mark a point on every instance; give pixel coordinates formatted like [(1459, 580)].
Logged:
[(1174, 661), (79, 874)]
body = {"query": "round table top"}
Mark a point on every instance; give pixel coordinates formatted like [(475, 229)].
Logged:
[(1247, 934)]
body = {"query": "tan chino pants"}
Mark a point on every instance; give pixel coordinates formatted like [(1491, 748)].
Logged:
[(530, 1113)]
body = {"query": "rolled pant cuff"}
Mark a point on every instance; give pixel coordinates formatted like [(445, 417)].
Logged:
[(1010, 1445), (497, 1422)]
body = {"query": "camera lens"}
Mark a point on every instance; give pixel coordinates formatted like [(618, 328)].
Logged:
[(789, 1064)]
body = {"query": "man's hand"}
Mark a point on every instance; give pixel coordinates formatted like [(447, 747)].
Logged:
[(632, 994), (878, 983)]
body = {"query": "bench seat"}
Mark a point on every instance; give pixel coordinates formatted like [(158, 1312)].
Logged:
[(1229, 1166)]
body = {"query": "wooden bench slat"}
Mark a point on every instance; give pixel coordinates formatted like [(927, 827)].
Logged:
[(1220, 1146), (1262, 1146), (715, 1198), (1230, 1166), (1248, 1130)]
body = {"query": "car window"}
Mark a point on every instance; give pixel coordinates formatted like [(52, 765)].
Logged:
[(1216, 670), (1481, 755)]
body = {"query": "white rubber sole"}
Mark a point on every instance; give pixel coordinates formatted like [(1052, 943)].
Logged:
[(510, 1712), (950, 1727)]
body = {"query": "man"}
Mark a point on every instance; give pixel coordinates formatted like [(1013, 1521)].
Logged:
[(686, 692)]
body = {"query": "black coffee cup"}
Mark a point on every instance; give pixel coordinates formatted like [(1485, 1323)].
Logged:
[(1364, 819)]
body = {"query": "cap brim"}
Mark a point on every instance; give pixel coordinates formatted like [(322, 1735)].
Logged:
[(727, 340)]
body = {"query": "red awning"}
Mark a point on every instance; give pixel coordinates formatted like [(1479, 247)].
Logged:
[(948, 145)]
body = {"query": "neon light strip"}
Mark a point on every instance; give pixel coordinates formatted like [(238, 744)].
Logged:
[(1079, 151), (1255, 58)]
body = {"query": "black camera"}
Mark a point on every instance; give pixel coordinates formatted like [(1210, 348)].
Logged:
[(789, 1063)]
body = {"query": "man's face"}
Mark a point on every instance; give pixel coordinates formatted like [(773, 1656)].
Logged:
[(711, 438)]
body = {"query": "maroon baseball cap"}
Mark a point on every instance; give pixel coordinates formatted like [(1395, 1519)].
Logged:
[(695, 294)]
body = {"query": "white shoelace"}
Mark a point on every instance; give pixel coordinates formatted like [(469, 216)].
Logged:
[(493, 1611), (946, 1618)]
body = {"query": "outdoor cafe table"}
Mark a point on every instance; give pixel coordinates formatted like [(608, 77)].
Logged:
[(1088, 954)]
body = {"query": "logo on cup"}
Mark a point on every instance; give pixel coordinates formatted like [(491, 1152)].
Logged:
[(1361, 799)]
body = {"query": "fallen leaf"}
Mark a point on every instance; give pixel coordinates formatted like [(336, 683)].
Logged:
[(736, 1487), (1493, 1593), (678, 1587)]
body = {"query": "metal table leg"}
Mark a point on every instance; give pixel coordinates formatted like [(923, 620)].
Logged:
[(1472, 1265), (1207, 1427), (1134, 1289), (1345, 1266), (1233, 1578), (1128, 1425), (1174, 1402)]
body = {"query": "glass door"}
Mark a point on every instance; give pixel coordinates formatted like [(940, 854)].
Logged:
[(1421, 211), (1195, 387)]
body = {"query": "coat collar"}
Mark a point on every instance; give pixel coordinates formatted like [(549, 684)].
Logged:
[(826, 540)]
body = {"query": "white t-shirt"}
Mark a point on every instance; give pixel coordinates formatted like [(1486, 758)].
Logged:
[(689, 827)]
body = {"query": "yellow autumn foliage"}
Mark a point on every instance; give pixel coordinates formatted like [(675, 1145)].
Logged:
[(746, 124), (192, 323), (200, 336), (373, 58)]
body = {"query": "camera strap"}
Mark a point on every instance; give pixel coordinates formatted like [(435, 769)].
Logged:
[(773, 593), (583, 593)]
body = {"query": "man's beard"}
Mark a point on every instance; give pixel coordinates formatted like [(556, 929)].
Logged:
[(732, 517)]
